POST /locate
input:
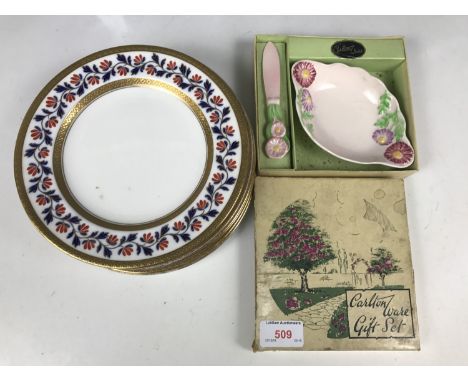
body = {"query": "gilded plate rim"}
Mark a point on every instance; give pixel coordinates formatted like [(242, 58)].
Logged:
[(227, 220)]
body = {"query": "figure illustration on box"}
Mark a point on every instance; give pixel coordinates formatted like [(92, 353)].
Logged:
[(298, 245)]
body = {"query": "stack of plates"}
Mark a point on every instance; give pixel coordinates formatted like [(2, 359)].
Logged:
[(138, 158)]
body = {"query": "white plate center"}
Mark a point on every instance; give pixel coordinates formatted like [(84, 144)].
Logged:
[(134, 155)]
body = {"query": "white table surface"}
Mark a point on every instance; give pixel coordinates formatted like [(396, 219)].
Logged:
[(57, 310)]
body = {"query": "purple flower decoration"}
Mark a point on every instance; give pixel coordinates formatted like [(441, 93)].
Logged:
[(276, 148), (399, 153), (383, 136), (306, 101), (278, 129), (304, 73)]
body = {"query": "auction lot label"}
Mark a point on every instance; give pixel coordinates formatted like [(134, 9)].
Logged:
[(281, 334)]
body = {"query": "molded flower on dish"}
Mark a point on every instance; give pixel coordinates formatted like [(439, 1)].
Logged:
[(399, 152), (383, 136), (306, 101), (304, 73), (278, 129), (276, 148)]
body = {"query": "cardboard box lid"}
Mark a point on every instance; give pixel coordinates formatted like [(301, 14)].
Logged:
[(351, 235)]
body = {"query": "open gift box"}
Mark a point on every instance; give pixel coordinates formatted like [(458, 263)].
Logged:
[(333, 260)]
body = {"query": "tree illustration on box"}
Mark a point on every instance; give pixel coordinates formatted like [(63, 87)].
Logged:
[(296, 244), (383, 263)]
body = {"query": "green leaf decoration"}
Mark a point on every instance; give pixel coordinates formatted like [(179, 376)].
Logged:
[(274, 113), (384, 103), (383, 121), (390, 120), (400, 126), (307, 119), (393, 117)]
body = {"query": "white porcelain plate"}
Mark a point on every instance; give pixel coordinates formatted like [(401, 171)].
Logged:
[(351, 114), (135, 157)]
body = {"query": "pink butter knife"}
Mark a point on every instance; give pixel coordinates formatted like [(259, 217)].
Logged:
[(277, 145)]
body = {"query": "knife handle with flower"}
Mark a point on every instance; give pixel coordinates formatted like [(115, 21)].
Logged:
[(277, 145)]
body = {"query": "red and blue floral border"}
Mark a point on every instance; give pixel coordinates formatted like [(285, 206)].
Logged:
[(75, 230)]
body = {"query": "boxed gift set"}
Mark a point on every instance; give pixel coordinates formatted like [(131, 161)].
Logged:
[(335, 138)]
